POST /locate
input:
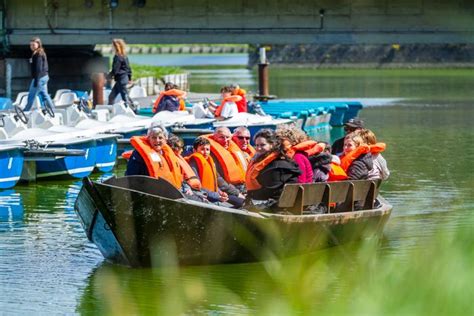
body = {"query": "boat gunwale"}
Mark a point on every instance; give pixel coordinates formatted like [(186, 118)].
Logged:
[(384, 210)]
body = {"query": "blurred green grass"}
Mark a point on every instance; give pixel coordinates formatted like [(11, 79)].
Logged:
[(434, 277), (140, 71)]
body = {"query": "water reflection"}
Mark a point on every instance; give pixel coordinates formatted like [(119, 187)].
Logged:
[(11, 209), (44, 250)]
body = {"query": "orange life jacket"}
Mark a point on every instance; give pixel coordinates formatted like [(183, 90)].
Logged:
[(251, 150), (207, 171), (347, 159), (377, 148), (164, 165), (242, 104), (182, 104), (231, 160), (250, 153), (336, 173), (188, 174), (127, 154), (254, 170), (232, 98), (310, 147), (172, 92)]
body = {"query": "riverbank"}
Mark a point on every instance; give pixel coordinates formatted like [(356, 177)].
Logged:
[(179, 49), (369, 56)]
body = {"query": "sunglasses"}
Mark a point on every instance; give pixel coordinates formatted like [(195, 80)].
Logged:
[(244, 137)]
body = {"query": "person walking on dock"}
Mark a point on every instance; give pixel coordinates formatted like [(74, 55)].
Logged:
[(121, 72), (39, 74)]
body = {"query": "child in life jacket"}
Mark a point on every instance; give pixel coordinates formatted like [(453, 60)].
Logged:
[(228, 107), (204, 167), (191, 185), (356, 159), (380, 169)]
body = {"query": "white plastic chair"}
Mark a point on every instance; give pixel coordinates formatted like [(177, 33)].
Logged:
[(58, 94), (20, 96), (137, 92), (66, 99)]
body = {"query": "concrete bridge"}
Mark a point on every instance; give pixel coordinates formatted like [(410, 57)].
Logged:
[(71, 28)]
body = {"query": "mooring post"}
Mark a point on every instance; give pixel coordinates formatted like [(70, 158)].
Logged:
[(8, 80), (263, 74), (98, 81)]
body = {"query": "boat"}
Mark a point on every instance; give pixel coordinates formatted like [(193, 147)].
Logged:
[(11, 164), (340, 110), (253, 122), (49, 154), (140, 221)]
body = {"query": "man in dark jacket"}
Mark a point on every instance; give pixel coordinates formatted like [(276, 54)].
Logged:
[(350, 126)]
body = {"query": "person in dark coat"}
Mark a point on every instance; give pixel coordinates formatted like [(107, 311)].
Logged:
[(169, 102), (39, 74), (121, 72), (273, 177), (350, 126)]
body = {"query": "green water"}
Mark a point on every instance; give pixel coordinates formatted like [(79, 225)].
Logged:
[(423, 265)]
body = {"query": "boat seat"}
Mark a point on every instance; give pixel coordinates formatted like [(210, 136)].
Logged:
[(343, 196), (137, 92), (58, 94), (66, 99)]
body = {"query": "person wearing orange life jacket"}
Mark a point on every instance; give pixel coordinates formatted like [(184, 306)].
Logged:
[(153, 157), (191, 180), (171, 99), (242, 104), (230, 161), (380, 169), (269, 170), (228, 106), (241, 137), (356, 159), (350, 126), (291, 137), (203, 165)]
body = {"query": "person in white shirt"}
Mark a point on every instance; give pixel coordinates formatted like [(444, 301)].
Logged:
[(228, 107)]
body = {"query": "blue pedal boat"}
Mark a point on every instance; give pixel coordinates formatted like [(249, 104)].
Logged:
[(341, 110), (68, 165), (11, 165)]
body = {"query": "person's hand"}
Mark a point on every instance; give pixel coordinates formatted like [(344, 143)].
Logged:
[(188, 192), (223, 199), (242, 196), (222, 193)]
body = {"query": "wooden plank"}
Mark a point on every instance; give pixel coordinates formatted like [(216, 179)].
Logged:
[(342, 193), (316, 193), (288, 196), (364, 193)]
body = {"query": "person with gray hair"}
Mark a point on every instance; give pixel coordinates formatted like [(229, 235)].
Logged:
[(241, 137), (150, 145)]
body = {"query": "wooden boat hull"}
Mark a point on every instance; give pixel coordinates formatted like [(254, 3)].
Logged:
[(139, 228)]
